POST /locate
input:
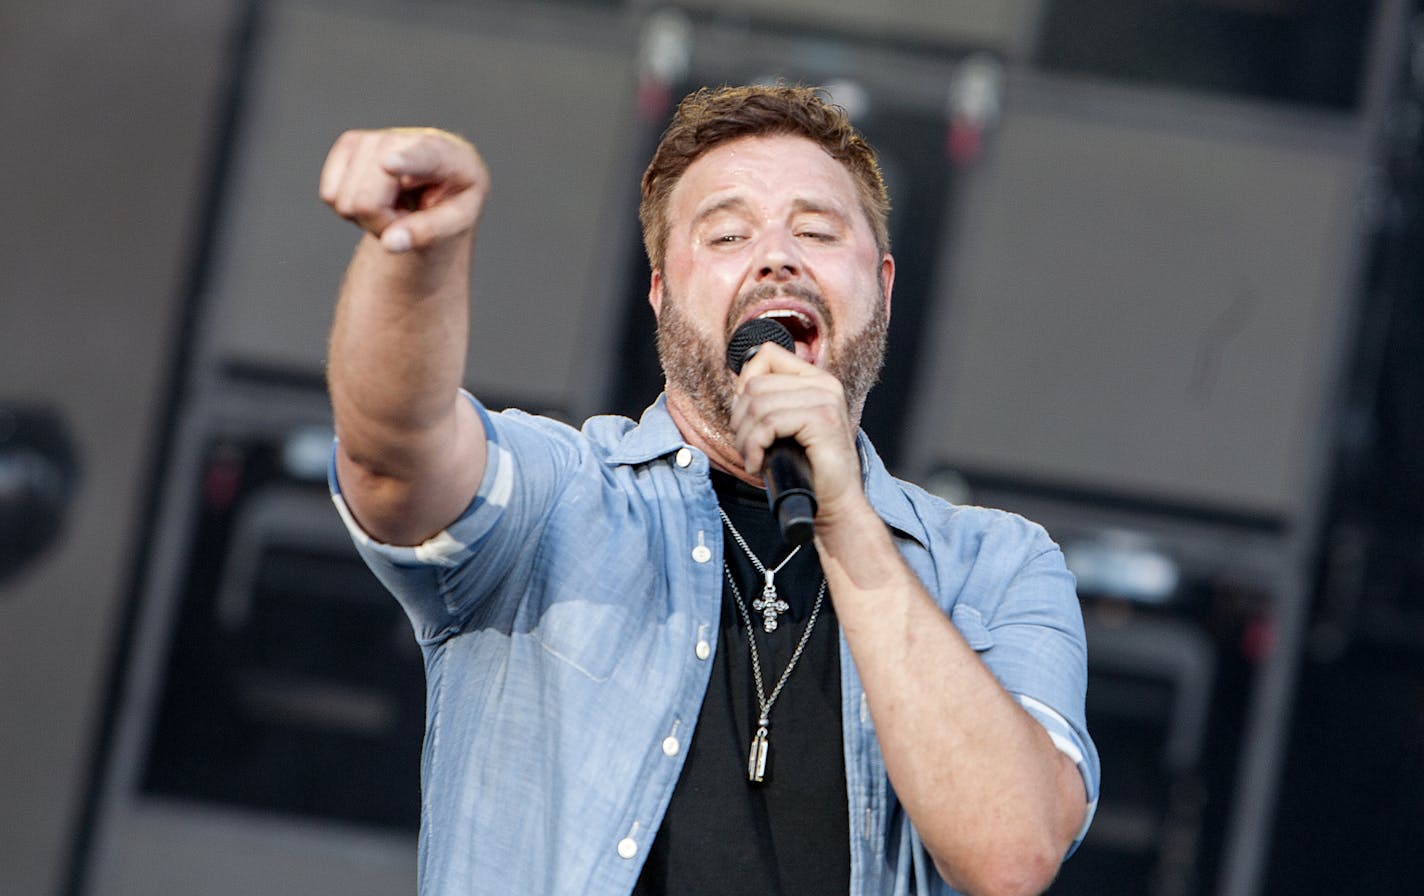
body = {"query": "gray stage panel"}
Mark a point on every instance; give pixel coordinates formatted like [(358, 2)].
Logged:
[(547, 93), (552, 117), (1144, 304)]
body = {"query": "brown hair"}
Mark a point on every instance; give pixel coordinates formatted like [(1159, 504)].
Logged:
[(708, 118)]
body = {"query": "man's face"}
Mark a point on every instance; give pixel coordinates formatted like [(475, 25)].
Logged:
[(768, 226)]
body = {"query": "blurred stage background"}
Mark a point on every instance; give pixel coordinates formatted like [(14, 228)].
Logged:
[(1160, 287)]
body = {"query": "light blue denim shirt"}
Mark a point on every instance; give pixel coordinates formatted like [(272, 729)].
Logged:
[(568, 622)]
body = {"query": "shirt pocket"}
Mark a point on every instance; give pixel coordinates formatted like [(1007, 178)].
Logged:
[(970, 623)]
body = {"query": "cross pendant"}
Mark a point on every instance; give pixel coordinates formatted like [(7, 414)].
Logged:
[(769, 604)]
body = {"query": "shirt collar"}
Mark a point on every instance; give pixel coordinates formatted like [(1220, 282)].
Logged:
[(887, 494), (657, 435)]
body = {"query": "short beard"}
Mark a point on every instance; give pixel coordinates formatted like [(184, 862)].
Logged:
[(696, 367)]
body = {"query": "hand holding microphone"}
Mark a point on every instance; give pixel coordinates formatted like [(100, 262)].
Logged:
[(786, 470)]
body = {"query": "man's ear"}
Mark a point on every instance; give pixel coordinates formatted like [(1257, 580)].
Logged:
[(887, 279), (655, 292)]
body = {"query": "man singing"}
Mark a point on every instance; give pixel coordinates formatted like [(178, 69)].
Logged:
[(634, 684)]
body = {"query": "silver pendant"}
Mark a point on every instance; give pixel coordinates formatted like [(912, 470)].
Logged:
[(769, 605), (756, 759)]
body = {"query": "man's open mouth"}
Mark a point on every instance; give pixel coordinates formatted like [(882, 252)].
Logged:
[(803, 329)]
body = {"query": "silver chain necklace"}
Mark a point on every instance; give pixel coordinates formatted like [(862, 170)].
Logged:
[(769, 604), (761, 743)]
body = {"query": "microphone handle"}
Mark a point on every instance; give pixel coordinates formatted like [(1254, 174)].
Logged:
[(788, 488)]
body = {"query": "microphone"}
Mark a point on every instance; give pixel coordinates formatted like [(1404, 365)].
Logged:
[(786, 471)]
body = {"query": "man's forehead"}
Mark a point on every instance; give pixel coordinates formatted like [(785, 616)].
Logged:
[(733, 173)]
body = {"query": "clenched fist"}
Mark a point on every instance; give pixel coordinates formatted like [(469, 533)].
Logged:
[(412, 188)]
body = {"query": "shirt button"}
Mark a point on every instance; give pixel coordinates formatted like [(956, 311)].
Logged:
[(627, 847), (702, 553), (684, 457), (670, 746), (703, 650)]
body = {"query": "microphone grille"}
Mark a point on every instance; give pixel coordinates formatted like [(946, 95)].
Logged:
[(751, 335)]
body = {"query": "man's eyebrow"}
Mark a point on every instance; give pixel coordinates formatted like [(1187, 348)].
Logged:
[(815, 206), (727, 204), (739, 205)]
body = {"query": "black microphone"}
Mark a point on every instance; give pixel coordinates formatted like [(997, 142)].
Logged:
[(786, 471)]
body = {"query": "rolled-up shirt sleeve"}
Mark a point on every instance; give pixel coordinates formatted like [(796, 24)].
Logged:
[(1023, 618), (437, 582)]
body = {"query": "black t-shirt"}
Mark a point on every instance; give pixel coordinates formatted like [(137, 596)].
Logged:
[(723, 834)]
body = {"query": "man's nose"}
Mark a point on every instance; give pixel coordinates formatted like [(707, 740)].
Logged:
[(778, 257)]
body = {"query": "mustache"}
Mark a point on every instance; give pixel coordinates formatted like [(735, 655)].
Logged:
[(765, 291)]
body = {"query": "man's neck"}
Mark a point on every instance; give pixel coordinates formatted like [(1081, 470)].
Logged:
[(710, 439)]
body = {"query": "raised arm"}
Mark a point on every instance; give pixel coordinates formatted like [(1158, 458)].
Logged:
[(411, 451)]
